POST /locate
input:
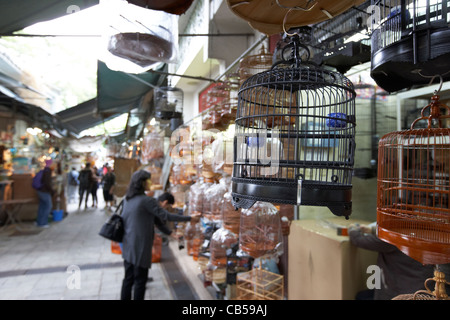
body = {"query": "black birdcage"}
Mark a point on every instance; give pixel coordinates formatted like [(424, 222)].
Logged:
[(168, 103), (410, 42), (295, 136)]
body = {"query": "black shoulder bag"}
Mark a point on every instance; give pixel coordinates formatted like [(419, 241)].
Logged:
[(113, 228)]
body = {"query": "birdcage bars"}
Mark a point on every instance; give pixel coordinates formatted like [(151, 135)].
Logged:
[(409, 41), (413, 209), (169, 102), (295, 124), (392, 20)]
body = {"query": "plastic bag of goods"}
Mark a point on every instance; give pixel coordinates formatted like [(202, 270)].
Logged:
[(260, 230)]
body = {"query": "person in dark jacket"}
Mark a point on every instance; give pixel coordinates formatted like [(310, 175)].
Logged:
[(45, 194), (141, 214), (400, 274), (86, 180), (108, 180)]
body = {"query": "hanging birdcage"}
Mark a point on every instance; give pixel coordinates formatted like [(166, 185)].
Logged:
[(295, 136), (410, 42), (254, 64), (413, 210), (168, 103)]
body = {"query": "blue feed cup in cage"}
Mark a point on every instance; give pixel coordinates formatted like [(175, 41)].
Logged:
[(334, 120), (255, 142)]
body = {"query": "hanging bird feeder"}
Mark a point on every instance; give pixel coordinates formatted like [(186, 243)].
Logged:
[(295, 135)]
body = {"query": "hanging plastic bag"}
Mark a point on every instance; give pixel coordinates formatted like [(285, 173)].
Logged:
[(221, 240), (152, 147), (260, 230)]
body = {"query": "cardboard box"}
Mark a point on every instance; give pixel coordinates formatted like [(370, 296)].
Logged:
[(324, 265)]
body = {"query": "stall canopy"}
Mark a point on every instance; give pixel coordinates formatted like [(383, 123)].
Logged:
[(117, 93), (16, 15)]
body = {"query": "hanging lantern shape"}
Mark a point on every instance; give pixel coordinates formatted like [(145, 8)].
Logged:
[(413, 210), (168, 103), (295, 136), (407, 42)]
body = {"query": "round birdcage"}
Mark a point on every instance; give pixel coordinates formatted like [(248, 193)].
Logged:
[(254, 64), (413, 210), (168, 103), (295, 136), (410, 42)]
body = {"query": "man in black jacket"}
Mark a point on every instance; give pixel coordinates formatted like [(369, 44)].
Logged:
[(86, 179), (400, 274)]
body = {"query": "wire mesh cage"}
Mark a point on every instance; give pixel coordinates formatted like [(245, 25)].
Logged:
[(295, 136), (410, 41), (168, 103), (413, 210)]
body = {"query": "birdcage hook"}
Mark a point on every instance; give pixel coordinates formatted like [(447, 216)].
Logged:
[(310, 4), (435, 112), (441, 82), (296, 46)]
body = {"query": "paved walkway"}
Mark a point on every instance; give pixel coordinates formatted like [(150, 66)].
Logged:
[(70, 261)]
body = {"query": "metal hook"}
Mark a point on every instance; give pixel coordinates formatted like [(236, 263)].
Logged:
[(441, 82)]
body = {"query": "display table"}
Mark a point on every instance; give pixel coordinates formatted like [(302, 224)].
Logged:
[(12, 208), (324, 265)]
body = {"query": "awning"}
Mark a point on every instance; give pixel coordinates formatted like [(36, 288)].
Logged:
[(16, 15), (33, 114), (117, 93), (80, 117)]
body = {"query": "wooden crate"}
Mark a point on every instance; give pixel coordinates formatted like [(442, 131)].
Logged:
[(259, 284)]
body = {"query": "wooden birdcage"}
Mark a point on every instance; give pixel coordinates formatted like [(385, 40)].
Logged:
[(254, 64), (259, 284), (439, 292), (413, 209)]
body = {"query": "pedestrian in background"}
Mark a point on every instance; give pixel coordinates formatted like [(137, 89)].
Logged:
[(45, 194), (72, 185), (85, 178), (59, 184), (108, 181), (94, 186)]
